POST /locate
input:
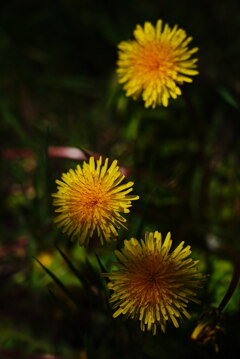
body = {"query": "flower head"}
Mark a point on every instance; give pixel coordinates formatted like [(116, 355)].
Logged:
[(90, 200), (152, 284), (155, 63), (209, 329)]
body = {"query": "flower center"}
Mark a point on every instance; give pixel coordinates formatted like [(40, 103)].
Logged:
[(92, 201), (149, 280), (89, 203), (154, 59)]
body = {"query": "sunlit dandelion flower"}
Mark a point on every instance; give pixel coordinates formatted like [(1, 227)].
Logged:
[(90, 200), (152, 284), (156, 63)]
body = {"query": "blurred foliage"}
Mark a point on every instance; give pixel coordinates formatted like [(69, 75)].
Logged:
[(58, 88)]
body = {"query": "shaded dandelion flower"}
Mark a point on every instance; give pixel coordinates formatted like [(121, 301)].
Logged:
[(209, 329), (90, 200), (155, 63), (152, 284)]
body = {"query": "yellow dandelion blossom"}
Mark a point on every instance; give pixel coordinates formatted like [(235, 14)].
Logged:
[(152, 284), (155, 63), (90, 200), (209, 328)]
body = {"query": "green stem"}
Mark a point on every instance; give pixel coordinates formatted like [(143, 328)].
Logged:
[(233, 284)]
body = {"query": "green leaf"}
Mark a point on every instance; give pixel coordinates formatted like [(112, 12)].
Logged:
[(228, 97), (58, 282)]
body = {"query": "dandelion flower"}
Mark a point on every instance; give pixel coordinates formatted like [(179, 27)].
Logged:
[(152, 284), (90, 200), (155, 63), (209, 329)]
